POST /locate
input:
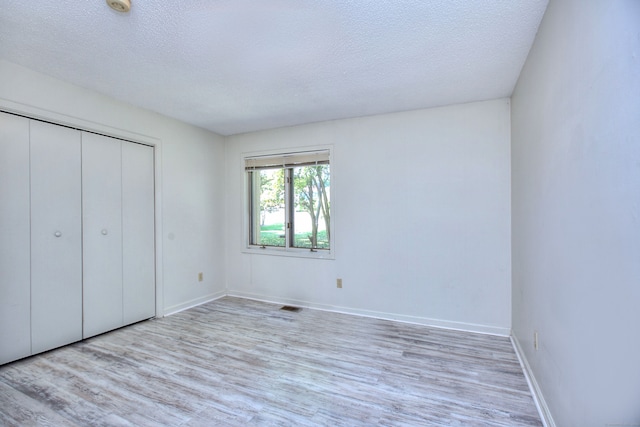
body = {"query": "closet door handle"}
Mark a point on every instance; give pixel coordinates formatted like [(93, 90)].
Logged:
[(104, 232), (57, 234)]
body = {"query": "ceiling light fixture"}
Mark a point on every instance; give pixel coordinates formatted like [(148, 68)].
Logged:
[(120, 5)]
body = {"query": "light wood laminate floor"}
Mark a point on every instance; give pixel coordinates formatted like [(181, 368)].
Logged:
[(237, 362)]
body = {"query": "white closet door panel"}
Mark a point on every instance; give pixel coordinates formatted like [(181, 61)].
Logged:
[(56, 251), (15, 274), (102, 233), (138, 230)]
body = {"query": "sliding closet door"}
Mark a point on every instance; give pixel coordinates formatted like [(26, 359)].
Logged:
[(15, 274), (102, 233), (56, 251), (138, 232)]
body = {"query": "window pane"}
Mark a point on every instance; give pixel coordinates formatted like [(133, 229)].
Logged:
[(311, 210), (268, 208)]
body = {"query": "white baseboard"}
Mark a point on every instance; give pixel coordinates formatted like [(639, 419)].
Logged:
[(445, 324), (168, 311), (538, 398)]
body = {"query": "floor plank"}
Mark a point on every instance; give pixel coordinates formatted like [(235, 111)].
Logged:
[(238, 362)]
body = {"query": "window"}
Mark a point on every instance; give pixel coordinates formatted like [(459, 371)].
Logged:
[(289, 200)]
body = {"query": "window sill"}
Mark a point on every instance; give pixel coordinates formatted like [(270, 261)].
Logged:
[(295, 253)]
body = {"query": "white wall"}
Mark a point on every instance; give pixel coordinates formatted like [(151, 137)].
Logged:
[(576, 211), (191, 176), (421, 202)]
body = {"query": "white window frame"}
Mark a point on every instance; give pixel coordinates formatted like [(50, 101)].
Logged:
[(246, 208)]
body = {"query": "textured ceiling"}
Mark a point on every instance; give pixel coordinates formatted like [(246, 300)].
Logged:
[(235, 66)]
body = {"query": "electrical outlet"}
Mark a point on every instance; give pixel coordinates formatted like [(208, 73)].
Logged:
[(200, 277), (535, 340), (339, 283)]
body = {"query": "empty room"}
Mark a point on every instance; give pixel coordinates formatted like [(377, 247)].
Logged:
[(340, 213)]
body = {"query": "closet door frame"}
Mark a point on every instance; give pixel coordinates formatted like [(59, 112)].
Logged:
[(78, 123)]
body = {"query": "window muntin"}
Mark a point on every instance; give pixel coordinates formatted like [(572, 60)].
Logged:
[(290, 201)]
